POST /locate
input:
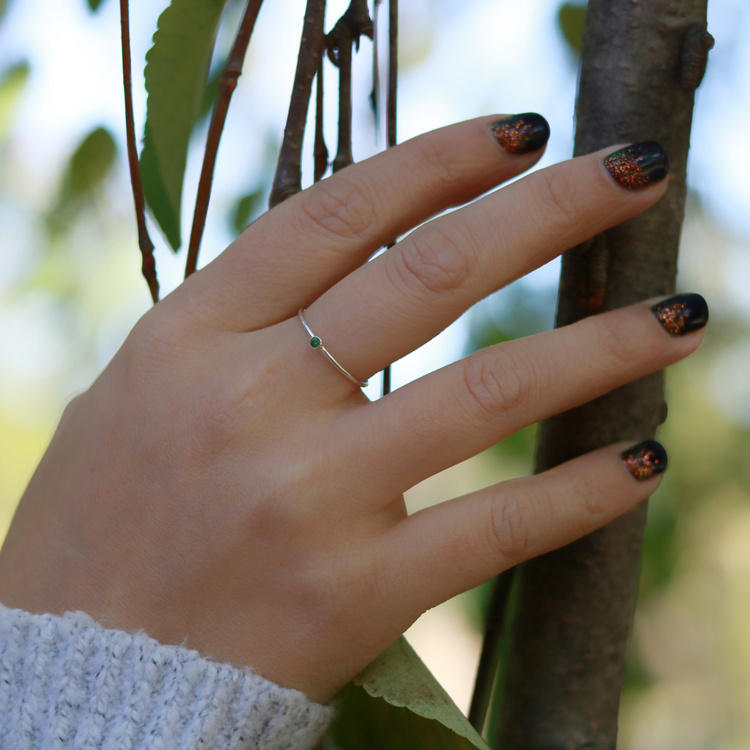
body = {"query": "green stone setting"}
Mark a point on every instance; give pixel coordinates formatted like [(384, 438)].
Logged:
[(315, 342)]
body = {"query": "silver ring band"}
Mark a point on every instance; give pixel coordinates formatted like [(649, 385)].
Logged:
[(317, 343)]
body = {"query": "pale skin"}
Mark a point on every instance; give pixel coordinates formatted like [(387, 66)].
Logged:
[(222, 486)]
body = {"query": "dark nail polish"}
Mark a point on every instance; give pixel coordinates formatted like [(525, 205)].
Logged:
[(682, 314), (639, 165), (522, 134), (645, 460)]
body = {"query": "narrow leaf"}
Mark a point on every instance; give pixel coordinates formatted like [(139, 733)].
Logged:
[(244, 209), (571, 18), (87, 169), (176, 71), (397, 703)]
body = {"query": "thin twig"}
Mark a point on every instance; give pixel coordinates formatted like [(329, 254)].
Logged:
[(227, 84), (288, 178), (375, 93), (344, 152), (391, 109), (355, 22), (494, 627), (148, 265), (390, 133), (321, 151)]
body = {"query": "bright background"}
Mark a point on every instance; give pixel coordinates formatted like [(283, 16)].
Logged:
[(70, 289)]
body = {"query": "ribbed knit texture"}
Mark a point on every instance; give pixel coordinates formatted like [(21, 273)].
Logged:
[(67, 682)]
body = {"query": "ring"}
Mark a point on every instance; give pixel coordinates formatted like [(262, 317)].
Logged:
[(317, 343)]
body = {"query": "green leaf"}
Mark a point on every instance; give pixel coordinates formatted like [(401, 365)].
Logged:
[(397, 703), (176, 71), (87, 169), (94, 5), (571, 18), (12, 83), (244, 209)]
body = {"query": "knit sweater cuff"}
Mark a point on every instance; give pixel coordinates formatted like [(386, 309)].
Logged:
[(65, 681)]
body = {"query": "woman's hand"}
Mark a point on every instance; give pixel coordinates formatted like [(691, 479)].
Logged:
[(222, 485)]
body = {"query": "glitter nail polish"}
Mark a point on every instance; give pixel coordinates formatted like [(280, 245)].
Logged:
[(645, 460), (521, 134), (682, 314), (639, 165)]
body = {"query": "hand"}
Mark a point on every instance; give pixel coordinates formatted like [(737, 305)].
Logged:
[(222, 485)]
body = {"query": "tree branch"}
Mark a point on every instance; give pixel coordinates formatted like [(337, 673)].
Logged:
[(494, 626), (391, 106), (575, 605), (321, 150), (344, 155), (355, 22), (375, 93), (391, 110), (148, 265), (288, 178), (227, 84)]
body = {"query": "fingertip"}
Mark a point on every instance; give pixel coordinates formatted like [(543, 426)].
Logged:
[(637, 166), (681, 314), (521, 134), (645, 460)]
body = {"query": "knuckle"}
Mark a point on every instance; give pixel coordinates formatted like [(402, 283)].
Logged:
[(442, 163), (156, 347), (493, 384), (586, 493), (556, 199), (616, 343), (510, 526), (155, 337), (341, 209), (432, 263)]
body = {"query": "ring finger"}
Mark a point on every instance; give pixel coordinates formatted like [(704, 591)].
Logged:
[(464, 408)]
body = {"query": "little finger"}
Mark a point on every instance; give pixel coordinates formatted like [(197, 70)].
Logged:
[(452, 547)]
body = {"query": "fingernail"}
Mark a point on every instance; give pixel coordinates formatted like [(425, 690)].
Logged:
[(682, 314), (645, 460), (521, 134), (639, 165)]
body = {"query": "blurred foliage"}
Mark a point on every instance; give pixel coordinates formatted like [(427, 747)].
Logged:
[(571, 18), (177, 67), (245, 208), (94, 5), (397, 704), (12, 83), (83, 178)]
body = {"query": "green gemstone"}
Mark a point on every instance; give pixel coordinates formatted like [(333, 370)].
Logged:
[(315, 342)]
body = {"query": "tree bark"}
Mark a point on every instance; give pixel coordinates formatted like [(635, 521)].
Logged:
[(569, 636)]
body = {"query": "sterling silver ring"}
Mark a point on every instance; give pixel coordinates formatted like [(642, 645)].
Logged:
[(317, 343)]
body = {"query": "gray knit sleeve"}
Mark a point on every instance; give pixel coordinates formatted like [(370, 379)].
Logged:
[(67, 682)]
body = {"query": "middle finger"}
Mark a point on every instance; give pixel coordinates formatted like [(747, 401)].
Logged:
[(402, 299)]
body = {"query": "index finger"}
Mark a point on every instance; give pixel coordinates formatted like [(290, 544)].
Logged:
[(295, 252)]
